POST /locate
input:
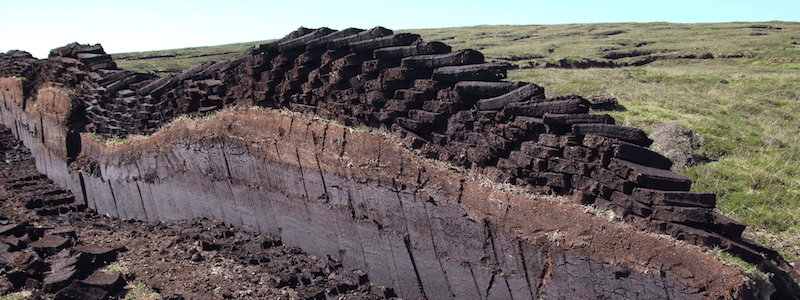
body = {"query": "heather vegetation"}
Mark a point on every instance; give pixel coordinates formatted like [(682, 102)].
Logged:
[(734, 86)]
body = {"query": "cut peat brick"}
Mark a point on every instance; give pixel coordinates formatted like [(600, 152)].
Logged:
[(683, 215), (628, 134), (613, 181), (540, 108), (569, 119), (558, 141), (630, 203), (598, 142), (109, 282), (554, 179), (627, 151), (403, 39), (744, 251), (12, 229), (641, 155), (427, 117), (591, 186), (526, 161), (443, 107), (99, 254), (404, 74), (416, 49), (486, 89), (486, 72), (303, 40), (649, 177), (62, 271), (566, 166), (344, 41), (689, 234), (675, 198), (726, 226), (521, 94), (50, 244), (463, 57), (578, 153), (539, 151)]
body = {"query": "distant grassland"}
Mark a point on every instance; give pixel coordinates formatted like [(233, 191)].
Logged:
[(743, 105), (623, 42), (539, 44), (171, 61)]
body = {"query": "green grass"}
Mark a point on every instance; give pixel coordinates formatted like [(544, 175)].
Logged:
[(743, 108), (167, 62), (538, 44), (21, 295), (118, 267), (738, 263), (140, 291)]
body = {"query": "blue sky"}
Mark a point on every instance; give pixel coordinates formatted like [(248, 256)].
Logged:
[(125, 26)]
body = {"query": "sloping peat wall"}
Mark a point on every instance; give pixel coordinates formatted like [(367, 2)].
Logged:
[(370, 201), (367, 201)]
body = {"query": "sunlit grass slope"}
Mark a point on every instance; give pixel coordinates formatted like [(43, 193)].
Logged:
[(166, 62), (622, 42)]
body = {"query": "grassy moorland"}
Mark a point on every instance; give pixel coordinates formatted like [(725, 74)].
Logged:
[(742, 105), (171, 61), (622, 42)]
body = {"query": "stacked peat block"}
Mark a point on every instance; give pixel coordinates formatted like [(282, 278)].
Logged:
[(52, 259), (48, 259), (119, 102), (16, 63), (449, 105), (453, 106)]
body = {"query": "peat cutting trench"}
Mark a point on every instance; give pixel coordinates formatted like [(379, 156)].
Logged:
[(414, 164)]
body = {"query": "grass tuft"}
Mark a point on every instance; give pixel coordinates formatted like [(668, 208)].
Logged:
[(747, 268), (118, 267), (140, 291), (21, 295)]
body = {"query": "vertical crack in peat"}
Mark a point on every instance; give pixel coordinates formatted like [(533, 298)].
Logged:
[(546, 272), (524, 266), (114, 199), (141, 200), (407, 241)]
